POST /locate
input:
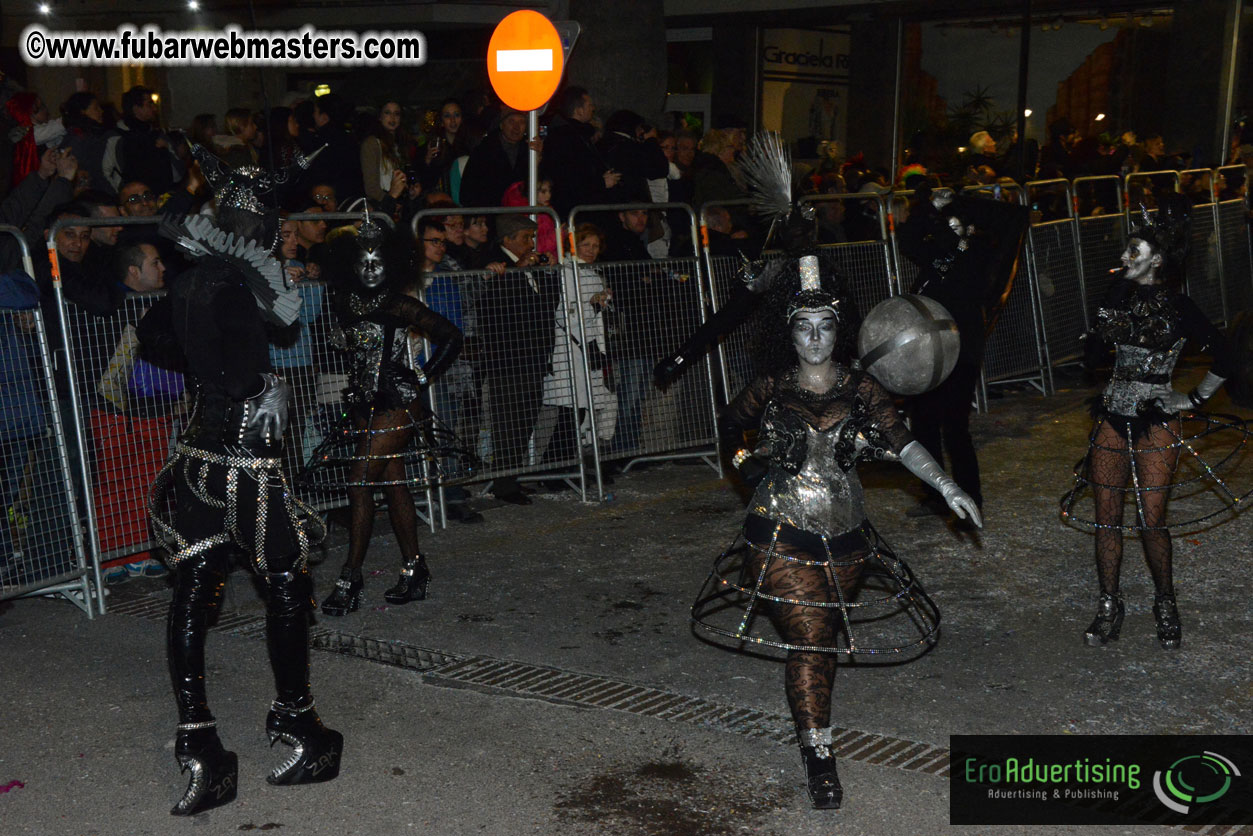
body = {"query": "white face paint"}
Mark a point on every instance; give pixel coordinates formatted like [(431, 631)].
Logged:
[(813, 334), (369, 268), (1140, 262)]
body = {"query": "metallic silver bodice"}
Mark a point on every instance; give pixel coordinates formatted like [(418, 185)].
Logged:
[(1140, 376), (821, 498), (364, 341)]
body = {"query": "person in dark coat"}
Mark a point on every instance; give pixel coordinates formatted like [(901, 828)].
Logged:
[(497, 163), (515, 314), (967, 252), (630, 148), (580, 174), (340, 164)]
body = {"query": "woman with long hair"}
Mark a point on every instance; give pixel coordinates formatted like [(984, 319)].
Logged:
[(386, 150)]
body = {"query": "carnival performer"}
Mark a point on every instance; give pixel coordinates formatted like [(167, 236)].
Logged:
[(966, 249), (809, 544), (390, 418), (1137, 438), (228, 486)]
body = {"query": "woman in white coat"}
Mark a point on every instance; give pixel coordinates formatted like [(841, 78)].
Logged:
[(555, 431)]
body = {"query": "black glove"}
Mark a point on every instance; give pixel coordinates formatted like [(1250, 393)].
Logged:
[(668, 369), (752, 468)]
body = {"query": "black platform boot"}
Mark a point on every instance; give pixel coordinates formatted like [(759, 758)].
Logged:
[(1166, 614), (414, 579), (1108, 622), (315, 748), (214, 771), (823, 783), (346, 596)]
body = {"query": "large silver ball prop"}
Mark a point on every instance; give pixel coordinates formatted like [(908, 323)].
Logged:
[(909, 343)]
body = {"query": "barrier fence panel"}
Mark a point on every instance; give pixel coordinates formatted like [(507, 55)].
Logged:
[(905, 271), (657, 304), (511, 397), (1102, 235), (1204, 268), (42, 550), (129, 412), (1233, 242), (1057, 272)]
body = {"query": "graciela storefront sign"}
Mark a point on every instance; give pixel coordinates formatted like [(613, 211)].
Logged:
[(804, 85), (1105, 779)]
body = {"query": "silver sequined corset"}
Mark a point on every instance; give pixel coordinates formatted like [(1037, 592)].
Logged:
[(364, 341), (1141, 375), (821, 498)]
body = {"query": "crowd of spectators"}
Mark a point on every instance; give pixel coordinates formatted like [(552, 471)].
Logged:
[(509, 396)]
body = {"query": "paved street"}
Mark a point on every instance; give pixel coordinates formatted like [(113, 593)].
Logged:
[(552, 685)]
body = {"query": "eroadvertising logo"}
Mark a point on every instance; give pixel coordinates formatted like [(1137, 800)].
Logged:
[(1210, 775), (1105, 779)]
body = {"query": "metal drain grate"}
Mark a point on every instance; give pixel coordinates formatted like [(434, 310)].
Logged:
[(566, 687)]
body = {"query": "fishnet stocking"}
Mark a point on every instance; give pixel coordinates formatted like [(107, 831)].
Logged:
[(1109, 470), (378, 462), (809, 675)]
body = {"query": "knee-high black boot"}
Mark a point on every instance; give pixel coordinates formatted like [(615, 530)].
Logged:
[(293, 718), (197, 595)]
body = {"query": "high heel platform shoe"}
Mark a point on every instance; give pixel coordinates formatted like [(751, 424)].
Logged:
[(214, 771), (346, 596), (823, 783), (1108, 622), (315, 748), (414, 580), (1166, 614)]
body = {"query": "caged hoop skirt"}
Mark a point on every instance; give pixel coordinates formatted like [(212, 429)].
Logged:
[(1211, 448), (881, 609), (432, 455)]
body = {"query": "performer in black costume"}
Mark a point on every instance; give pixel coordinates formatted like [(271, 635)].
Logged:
[(1137, 437), (966, 250), (229, 489), (390, 417), (810, 547)]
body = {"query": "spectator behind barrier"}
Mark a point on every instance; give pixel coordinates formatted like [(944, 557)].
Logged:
[(516, 351), (580, 174), (498, 162)]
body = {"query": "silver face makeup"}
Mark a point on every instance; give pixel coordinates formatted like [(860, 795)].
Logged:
[(369, 269), (813, 335), (1140, 263)]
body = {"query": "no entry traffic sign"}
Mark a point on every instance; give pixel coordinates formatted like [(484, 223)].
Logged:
[(525, 60)]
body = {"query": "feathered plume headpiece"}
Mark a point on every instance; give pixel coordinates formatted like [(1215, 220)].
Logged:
[(767, 170)]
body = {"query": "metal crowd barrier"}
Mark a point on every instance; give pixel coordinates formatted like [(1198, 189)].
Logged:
[(516, 400), (42, 549), (1204, 268), (1234, 250), (1102, 233), (658, 303), (1056, 263), (1008, 356)]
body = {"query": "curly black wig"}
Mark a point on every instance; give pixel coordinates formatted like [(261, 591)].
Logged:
[(771, 329)]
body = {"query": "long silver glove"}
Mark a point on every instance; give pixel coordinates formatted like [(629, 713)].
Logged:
[(920, 463), (267, 412), (1178, 401)]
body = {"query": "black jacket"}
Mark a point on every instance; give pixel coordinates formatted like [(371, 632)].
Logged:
[(489, 172), (574, 165)]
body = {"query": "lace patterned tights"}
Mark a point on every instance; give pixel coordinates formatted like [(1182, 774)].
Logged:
[(809, 675), (1109, 470), (381, 464)]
